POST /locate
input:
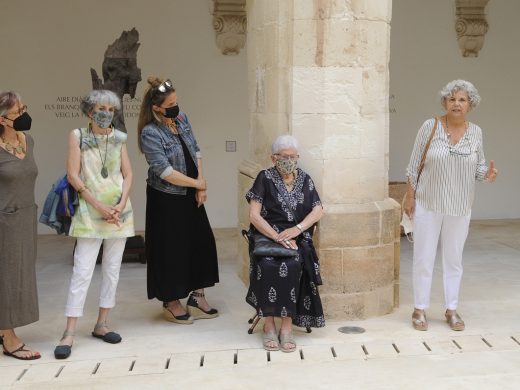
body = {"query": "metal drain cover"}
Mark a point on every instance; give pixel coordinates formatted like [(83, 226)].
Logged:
[(351, 329)]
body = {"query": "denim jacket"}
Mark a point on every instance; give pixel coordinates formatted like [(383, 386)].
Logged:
[(50, 216), (163, 152)]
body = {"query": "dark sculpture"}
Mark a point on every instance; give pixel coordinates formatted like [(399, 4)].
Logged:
[(120, 71)]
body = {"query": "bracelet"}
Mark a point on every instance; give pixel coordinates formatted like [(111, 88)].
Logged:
[(300, 226), (82, 189)]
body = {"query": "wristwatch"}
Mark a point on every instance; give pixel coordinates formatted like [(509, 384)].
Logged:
[(299, 226)]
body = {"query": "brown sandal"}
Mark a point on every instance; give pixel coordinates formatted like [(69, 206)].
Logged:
[(454, 321), (419, 321), (22, 349)]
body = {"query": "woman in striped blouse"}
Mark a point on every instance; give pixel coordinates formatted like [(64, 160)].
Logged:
[(440, 202)]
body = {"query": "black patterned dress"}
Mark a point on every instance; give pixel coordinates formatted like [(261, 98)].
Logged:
[(286, 287)]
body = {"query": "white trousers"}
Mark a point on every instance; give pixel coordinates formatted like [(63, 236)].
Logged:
[(85, 257), (453, 231)]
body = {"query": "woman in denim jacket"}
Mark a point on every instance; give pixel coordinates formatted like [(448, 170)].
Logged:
[(180, 246)]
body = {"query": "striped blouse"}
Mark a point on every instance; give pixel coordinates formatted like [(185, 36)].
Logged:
[(447, 182)]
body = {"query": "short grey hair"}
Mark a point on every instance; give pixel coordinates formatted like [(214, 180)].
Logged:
[(7, 100), (460, 85), (284, 142), (99, 96)]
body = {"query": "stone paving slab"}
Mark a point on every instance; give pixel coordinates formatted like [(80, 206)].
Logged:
[(252, 357), (81, 369), (115, 367), (41, 373), (411, 347), (516, 338), (184, 361), (219, 359), (279, 357), (471, 343), (317, 353), (10, 374), (349, 351), (151, 364), (442, 346), (378, 349), (501, 342)]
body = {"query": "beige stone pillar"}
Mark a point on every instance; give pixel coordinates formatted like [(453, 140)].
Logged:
[(318, 69)]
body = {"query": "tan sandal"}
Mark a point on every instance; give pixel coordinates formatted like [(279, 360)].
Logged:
[(270, 337), (454, 321), (287, 339), (419, 320)]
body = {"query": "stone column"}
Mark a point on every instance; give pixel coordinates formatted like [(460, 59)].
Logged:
[(318, 69)]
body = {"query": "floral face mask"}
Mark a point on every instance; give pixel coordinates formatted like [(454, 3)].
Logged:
[(286, 166)]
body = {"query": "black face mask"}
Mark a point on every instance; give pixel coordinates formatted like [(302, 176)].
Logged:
[(171, 112), (22, 123)]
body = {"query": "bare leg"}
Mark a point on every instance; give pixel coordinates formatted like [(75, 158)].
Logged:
[(269, 326), (286, 329), (176, 308), (101, 327), (201, 301), (71, 330), (12, 343)]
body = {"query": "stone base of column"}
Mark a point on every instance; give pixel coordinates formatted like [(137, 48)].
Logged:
[(358, 246)]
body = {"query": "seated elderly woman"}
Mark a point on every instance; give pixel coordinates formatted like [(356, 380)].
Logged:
[(284, 206)]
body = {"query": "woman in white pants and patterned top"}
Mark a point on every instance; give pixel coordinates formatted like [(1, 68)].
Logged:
[(440, 202), (98, 167)]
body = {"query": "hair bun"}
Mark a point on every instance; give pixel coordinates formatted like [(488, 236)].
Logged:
[(154, 81)]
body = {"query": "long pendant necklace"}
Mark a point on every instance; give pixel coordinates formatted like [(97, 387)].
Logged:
[(18, 149), (104, 170)]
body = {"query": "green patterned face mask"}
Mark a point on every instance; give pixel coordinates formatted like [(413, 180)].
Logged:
[(286, 166)]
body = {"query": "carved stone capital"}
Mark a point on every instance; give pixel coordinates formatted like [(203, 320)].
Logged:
[(230, 25), (471, 26)]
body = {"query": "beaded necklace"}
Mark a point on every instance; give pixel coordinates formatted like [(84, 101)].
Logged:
[(14, 150)]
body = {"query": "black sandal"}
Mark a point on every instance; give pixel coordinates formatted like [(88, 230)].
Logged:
[(110, 337), (196, 311), (21, 349), (63, 351)]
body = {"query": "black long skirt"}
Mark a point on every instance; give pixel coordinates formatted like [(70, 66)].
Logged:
[(180, 246)]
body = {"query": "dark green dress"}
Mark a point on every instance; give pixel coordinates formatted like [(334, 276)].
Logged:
[(18, 292)]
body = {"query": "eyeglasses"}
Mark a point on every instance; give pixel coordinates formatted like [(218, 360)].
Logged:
[(19, 112), (165, 86), (287, 156)]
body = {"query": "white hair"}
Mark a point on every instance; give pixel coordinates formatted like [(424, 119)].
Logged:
[(99, 96), (460, 85), (284, 142)]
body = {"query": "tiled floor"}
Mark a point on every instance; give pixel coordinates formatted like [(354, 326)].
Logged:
[(219, 353)]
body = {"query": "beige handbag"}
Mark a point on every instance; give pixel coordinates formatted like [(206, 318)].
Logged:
[(406, 221)]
